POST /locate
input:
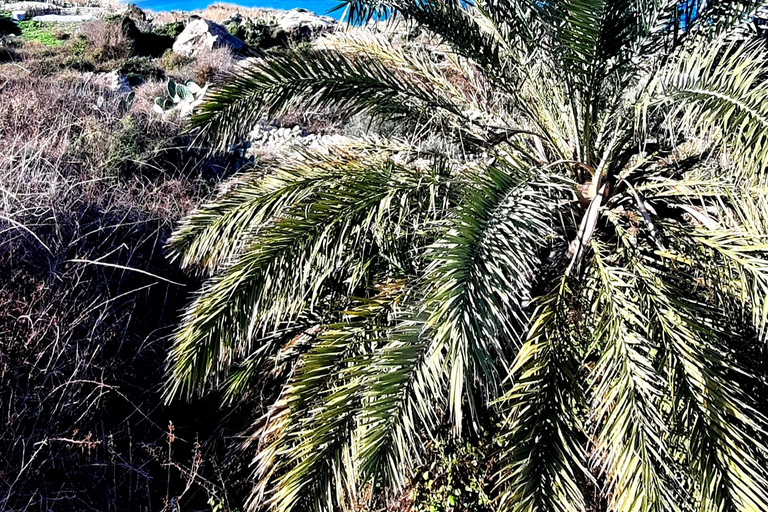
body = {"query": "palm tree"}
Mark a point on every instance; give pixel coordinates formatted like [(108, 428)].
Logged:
[(568, 227)]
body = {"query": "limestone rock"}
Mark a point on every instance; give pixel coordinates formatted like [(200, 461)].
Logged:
[(201, 35), (64, 18), (114, 81), (267, 137), (300, 23), (117, 82)]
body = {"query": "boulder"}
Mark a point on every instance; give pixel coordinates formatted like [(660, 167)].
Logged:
[(146, 44), (115, 81), (303, 24), (202, 35)]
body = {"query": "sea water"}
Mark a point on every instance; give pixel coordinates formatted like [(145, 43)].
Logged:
[(318, 6)]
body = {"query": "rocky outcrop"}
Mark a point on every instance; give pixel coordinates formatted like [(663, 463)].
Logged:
[(268, 137), (303, 24), (29, 10), (202, 35), (64, 18), (279, 28), (117, 82), (264, 134), (114, 82)]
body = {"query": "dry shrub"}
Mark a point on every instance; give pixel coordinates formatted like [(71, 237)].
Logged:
[(175, 62), (106, 40), (42, 60), (87, 301), (28, 106), (207, 66), (145, 95), (8, 54)]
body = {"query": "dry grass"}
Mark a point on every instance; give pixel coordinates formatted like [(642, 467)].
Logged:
[(90, 189), (209, 66), (206, 66), (88, 195), (106, 41)]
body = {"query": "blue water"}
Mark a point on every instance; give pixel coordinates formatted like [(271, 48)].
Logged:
[(318, 6)]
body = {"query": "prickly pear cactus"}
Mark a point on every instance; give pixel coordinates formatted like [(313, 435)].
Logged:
[(180, 97)]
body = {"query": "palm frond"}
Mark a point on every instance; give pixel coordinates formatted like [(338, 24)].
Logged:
[(725, 236), (710, 19), (594, 51), (341, 407), (717, 91), (212, 235), (316, 80), (722, 432), (308, 435), (392, 287), (738, 267), (272, 351), (284, 270), (452, 76), (321, 475), (632, 434), (450, 20), (402, 401), (544, 464), (482, 273), (519, 22)]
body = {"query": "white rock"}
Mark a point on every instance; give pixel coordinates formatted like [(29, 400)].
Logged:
[(300, 22), (201, 35), (64, 18), (114, 81), (117, 82)]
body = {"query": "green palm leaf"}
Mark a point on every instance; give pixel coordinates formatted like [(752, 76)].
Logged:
[(571, 232), (546, 458), (284, 270), (632, 430), (482, 274), (720, 92), (318, 80)]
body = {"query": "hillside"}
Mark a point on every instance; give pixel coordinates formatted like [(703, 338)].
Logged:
[(95, 172), (487, 256)]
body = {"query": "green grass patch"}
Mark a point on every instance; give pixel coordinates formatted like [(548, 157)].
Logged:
[(48, 34)]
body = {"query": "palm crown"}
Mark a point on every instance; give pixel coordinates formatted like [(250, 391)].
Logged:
[(582, 251)]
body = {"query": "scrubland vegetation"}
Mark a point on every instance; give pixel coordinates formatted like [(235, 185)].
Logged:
[(521, 268), (92, 183), (90, 188)]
